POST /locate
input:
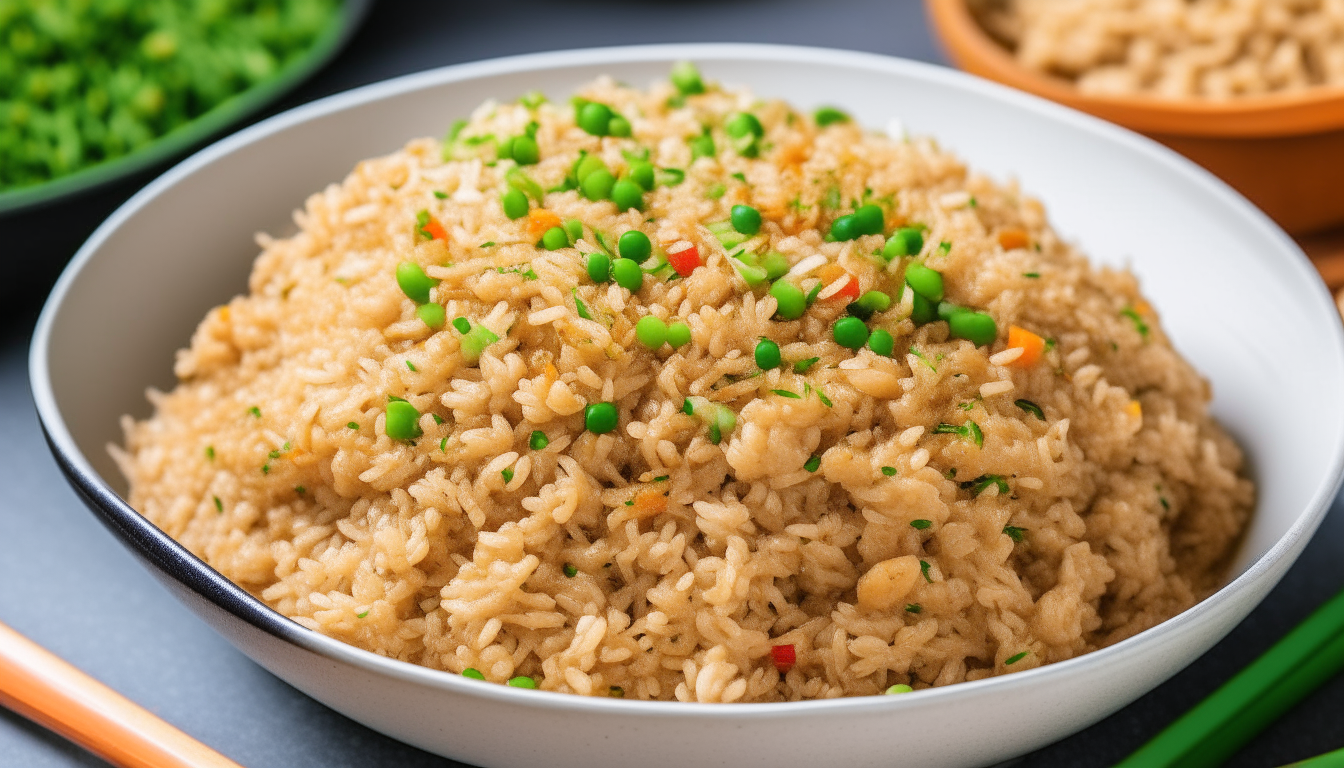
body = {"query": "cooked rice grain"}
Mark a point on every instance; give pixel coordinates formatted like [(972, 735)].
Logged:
[(690, 559)]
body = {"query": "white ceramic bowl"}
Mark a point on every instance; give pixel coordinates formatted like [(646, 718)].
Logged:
[(1235, 293)]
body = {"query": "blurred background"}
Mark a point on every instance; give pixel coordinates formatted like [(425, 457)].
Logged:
[(129, 632)]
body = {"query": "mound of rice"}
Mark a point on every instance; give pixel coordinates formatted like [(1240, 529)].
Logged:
[(939, 514)]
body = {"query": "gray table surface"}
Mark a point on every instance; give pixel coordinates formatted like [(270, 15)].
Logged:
[(68, 585)]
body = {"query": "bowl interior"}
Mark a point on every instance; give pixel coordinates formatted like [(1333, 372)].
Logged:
[(1236, 295)]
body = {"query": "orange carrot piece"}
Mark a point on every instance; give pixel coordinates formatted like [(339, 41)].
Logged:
[(539, 220), (1013, 238), (1031, 345), (650, 501), (436, 230), (829, 273)]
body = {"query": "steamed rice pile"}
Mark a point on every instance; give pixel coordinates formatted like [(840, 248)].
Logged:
[(903, 519), (1175, 49)]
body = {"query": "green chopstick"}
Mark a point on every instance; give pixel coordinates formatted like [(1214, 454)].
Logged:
[(1329, 760), (1221, 724)]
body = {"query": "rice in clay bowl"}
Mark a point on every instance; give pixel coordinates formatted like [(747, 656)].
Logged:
[(1292, 448)]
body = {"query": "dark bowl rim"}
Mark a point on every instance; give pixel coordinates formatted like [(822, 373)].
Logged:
[(157, 548)]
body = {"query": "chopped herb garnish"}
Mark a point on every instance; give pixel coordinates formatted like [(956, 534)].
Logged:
[(219, 505), (538, 441), (1014, 533), (629, 502), (352, 425), (969, 430), (443, 445), (921, 524), (979, 484), (486, 244), (742, 177), (923, 359), (265, 469), (924, 570), (832, 199), (570, 570), (812, 464), (801, 366), (616, 692), (913, 608), (945, 247), (507, 474), (787, 393), (1165, 504), (826, 401), (1030, 407), (299, 489), (1139, 324), (951, 474), (273, 455), (364, 614), (255, 411), (411, 365), (440, 195), (210, 452), (889, 471), (1016, 657), (580, 306), (1032, 275), (967, 405), (976, 434), (687, 407), (972, 202), (436, 417), (661, 478)]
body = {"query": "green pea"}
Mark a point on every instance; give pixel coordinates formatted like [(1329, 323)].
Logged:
[(599, 267), (414, 282), (925, 282), (642, 173), (870, 303), (922, 311), (627, 274), (899, 688), (828, 115), (522, 681), (505, 149), (869, 220), (555, 239), (515, 204), (574, 228), (881, 342), (432, 315), (678, 335), (746, 219), (462, 324), (586, 165), (634, 245), (976, 327), (686, 78), (767, 354), (597, 185), (473, 673), (525, 150), (618, 126), (651, 331), (844, 228), (743, 123), (403, 421), (701, 146), (776, 265), (600, 418), (947, 309), (595, 118), (850, 332), (538, 440), (906, 241), (792, 302), (626, 194)]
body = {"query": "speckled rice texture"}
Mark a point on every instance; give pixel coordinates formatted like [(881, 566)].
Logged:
[(1131, 497), (1175, 49)]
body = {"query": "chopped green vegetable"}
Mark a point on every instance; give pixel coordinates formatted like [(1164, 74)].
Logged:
[(475, 341), (600, 418), (219, 505), (431, 315), (812, 464), (889, 471), (981, 483), (571, 571), (825, 116), (745, 132), (850, 332), (616, 692), (352, 425), (365, 614), (651, 331), (474, 674), (913, 608), (900, 688), (1014, 533), (520, 181), (920, 525), (924, 570), (210, 452), (787, 393), (402, 421), (714, 192), (869, 304), (411, 365), (767, 354), (462, 324), (507, 474), (801, 366), (538, 441), (255, 411), (1016, 657), (1032, 275), (441, 195), (686, 78), (776, 265), (1031, 408), (1139, 324), (922, 310)]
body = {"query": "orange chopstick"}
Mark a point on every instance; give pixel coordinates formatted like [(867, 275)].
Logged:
[(40, 686)]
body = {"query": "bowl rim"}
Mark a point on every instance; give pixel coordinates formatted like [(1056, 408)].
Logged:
[(329, 42), (1316, 110), (156, 547)]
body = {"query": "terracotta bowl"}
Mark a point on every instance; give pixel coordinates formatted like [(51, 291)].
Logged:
[(1282, 152)]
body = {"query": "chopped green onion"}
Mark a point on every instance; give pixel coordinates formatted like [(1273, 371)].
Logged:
[(522, 681), (616, 692), (787, 393), (432, 315), (1014, 533), (913, 608), (920, 525), (507, 474), (255, 411), (411, 365), (474, 674), (210, 452), (1139, 324), (1016, 657), (219, 505), (462, 324), (801, 366), (1030, 407), (889, 471), (812, 464), (924, 570), (825, 116)]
